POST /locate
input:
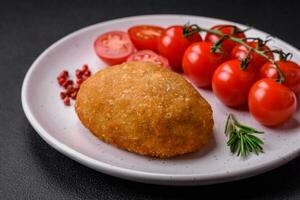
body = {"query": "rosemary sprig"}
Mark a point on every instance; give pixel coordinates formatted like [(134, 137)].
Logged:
[(242, 140)]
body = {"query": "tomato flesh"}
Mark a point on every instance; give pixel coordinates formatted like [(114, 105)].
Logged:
[(145, 36), (228, 45), (148, 56), (231, 84), (271, 103), (199, 63), (172, 45), (113, 47), (291, 71)]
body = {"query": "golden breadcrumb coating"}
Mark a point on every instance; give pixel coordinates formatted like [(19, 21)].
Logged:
[(146, 109)]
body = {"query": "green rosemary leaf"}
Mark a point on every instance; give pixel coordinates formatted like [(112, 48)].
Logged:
[(241, 138), (242, 148), (248, 129), (256, 139), (250, 143)]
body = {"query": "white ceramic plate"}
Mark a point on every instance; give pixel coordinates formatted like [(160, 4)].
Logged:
[(59, 126)]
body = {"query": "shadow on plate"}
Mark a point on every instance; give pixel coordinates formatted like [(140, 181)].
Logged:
[(198, 154), (291, 124), (58, 171)]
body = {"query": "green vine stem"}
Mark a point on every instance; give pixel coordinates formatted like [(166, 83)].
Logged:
[(194, 28)]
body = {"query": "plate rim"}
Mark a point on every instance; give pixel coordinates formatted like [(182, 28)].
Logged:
[(130, 174)]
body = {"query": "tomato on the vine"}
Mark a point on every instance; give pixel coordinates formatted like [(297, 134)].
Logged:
[(145, 36), (290, 70), (113, 47), (173, 43), (232, 30), (149, 56), (271, 103), (199, 63), (240, 52), (231, 84)]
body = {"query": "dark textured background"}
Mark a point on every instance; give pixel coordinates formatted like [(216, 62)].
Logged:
[(31, 169)]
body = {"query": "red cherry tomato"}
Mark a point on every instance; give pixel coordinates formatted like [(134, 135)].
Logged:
[(199, 63), (113, 47), (271, 103), (240, 52), (150, 56), (172, 45), (291, 71), (145, 36), (231, 84), (228, 45)]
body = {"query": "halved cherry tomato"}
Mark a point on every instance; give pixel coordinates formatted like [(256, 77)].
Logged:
[(199, 63), (232, 30), (291, 71), (150, 56), (172, 45), (271, 103), (113, 47), (240, 52), (231, 84), (145, 36)]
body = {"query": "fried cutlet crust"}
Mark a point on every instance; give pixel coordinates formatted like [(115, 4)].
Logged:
[(146, 109)]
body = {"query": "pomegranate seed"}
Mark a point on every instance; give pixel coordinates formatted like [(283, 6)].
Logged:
[(85, 68), (61, 81), (64, 74), (65, 84), (63, 95), (70, 88), (70, 82), (73, 95), (84, 77), (87, 73), (78, 73), (67, 101), (79, 81), (76, 87)]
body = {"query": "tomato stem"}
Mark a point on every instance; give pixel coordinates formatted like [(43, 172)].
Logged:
[(216, 47), (194, 28), (245, 62)]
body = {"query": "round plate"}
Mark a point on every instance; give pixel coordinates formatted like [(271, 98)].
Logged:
[(59, 126)]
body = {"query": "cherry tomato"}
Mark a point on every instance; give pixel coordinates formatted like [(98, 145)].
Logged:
[(113, 47), (231, 84), (172, 45), (199, 63), (240, 52), (271, 103), (145, 36), (228, 45), (291, 71), (150, 56)]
